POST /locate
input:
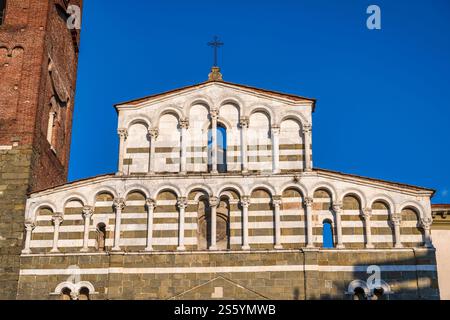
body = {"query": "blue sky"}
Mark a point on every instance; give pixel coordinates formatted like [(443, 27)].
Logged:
[(383, 95)]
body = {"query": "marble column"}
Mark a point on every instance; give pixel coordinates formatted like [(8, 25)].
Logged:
[(245, 203), (184, 124), (88, 211), (29, 227), (307, 132), (214, 118), (119, 205), (426, 223), (337, 208), (309, 222), (153, 134), (367, 215), (57, 221), (244, 122), (182, 205), (150, 204), (213, 203), (51, 123), (123, 135), (277, 201), (275, 133), (396, 219)]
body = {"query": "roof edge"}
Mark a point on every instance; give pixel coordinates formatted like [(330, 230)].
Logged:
[(173, 91), (389, 183)]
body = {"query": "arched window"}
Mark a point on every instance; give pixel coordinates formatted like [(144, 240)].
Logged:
[(359, 294), (328, 242), (101, 237), (66, 294), (84, 294), (221, 149), (2, 11)]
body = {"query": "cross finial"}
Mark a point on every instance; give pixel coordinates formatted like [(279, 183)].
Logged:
[(216, 44)]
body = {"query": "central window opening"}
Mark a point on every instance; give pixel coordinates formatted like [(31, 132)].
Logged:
[(221, 135)]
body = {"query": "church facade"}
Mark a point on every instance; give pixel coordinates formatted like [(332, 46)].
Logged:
[(216, 197)]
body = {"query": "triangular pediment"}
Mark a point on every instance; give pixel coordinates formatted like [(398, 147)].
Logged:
[(219, 288), (217, 87)]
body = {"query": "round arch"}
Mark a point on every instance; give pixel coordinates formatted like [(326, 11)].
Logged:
[(324, 186), (358, 194), (168, 187)]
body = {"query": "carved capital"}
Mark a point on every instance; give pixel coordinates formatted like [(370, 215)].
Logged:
[(182, 203), (184, 124), (150, 204), (214, 201), (153, 133), (307, 129), (29, 225), (245, 201), (309, 202), (57, 219), (244, 122), (366, 214), (426, 223), (276, 129), (123, 133), (88, 211), (396, 219), (119, 203), (337, 206), (277, 201), (214, 114)]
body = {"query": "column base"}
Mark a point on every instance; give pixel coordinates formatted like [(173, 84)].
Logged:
[(54, 251), (148, 249), (398, 246), (212, 248), (215, 172), (26, 251), (246, 248), (116, 249), (310, 246), (340, 246), (120, 174), (278, 247), (370, 246), (181, 248), (84, 250)]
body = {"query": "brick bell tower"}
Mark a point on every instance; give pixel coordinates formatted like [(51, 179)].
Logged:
[(39, 44)]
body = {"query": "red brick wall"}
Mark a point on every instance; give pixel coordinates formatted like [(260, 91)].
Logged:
[(33, 33)]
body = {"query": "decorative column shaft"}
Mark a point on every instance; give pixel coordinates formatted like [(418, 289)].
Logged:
[(123, 135), (213, 203), (309, 222), (245, 203), (88, 211), (337, 208), (182, 205), (276, 148), (244, 122), (57, 220), (153, 134), (214, 118), (367, 215), (150, 205), (397, 222), (307, 132), (426, 223), (277, 201), (184, 127), (51, 123), (119, 205), (29, 227)]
